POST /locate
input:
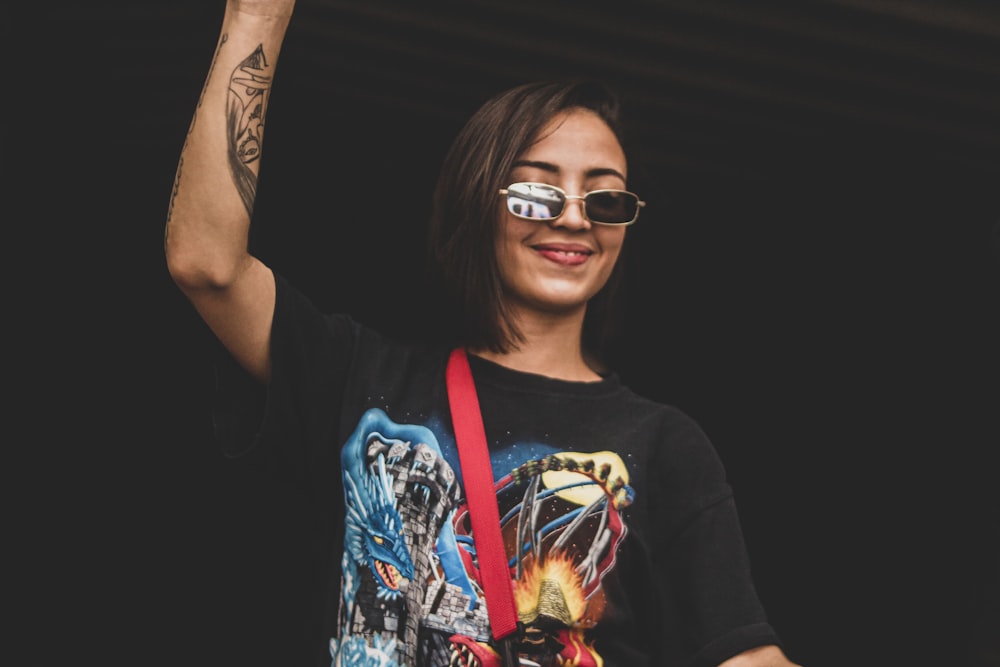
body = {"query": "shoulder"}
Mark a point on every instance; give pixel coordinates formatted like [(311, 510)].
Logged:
[(665, 418), (298, 317)]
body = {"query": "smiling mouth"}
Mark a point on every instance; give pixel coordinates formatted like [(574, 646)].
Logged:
[(563, 256), (562, 249)]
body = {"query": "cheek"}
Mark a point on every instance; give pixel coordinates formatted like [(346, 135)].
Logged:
[(612, 239), (508, 239), (512, 232)]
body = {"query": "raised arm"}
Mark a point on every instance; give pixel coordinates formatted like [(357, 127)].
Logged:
[(208, 218)]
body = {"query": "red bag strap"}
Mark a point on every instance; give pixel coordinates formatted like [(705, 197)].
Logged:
[(477, 475)]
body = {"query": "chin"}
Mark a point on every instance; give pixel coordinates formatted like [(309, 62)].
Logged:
[(561, 302)]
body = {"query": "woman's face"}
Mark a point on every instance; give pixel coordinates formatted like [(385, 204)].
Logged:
[(555, 267)]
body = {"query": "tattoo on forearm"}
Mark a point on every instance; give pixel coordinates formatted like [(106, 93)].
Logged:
[(194, 118), (173, 195), (248, 92)]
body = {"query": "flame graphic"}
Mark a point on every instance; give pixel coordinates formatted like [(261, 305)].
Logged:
[(551, 591)]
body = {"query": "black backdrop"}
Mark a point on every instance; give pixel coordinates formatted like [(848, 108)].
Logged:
[(814, 280)]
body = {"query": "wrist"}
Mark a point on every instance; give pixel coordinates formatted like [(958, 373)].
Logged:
[(274, 12)]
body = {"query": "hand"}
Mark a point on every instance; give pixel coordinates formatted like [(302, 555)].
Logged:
[(762, 656)]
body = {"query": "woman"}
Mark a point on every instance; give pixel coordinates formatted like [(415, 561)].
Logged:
[(622, 539)]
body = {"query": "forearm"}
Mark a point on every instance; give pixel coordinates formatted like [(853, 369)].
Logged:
[(215, 186)]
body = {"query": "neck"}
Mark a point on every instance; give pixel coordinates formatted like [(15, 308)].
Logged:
[(551, 347)]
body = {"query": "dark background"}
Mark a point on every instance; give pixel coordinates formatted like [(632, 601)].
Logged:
[(815, 279)]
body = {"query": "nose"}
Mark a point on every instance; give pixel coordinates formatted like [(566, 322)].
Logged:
[(573, 216)]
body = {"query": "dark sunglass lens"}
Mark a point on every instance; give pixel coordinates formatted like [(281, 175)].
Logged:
[(532, 200), (611, 206)]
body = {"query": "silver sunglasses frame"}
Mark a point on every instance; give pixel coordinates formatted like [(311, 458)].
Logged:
[(581, 198)]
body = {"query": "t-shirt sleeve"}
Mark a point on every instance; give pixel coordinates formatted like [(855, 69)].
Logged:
[(288, 423), (707, 590)]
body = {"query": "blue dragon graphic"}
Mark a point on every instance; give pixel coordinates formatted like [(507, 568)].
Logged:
[(393, 546), (374, 529)]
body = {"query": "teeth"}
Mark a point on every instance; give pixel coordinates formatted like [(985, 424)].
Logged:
[(461, 657)]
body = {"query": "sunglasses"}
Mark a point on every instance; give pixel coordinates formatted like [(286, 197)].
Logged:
[(539, 201)]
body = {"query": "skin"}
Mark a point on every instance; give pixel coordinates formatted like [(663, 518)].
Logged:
[(556, 267), (763, 656), (208, 221), (550, 270)]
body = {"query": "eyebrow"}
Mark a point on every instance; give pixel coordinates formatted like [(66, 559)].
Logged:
[(554, 169)]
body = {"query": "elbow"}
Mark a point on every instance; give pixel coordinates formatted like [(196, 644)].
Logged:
[(199, 270)]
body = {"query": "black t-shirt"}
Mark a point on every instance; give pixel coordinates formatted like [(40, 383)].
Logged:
[(623, 539)]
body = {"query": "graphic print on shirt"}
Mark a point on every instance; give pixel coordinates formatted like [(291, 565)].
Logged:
[(410, 591), (399, 492)]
